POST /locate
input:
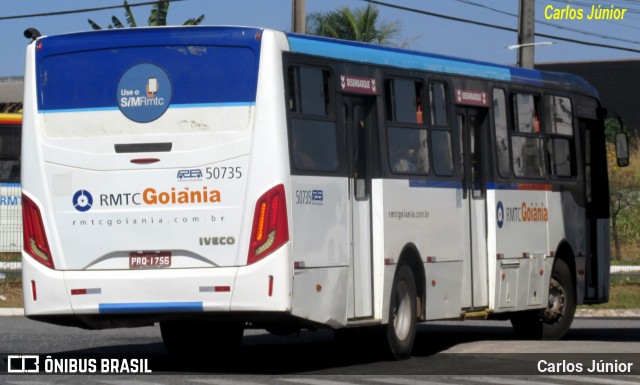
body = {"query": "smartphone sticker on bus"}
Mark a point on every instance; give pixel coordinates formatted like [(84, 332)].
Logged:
[(144, 93)]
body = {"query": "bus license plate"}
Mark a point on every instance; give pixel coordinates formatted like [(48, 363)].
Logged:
[(150, 260)]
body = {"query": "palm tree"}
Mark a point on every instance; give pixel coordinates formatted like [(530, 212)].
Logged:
[(362, 24), (157, 17)]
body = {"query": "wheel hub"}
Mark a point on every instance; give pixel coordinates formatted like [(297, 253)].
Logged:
[(402, 314), (557, 300)]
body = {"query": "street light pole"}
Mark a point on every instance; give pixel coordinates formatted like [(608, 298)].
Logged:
[(526, 33), (298, 16)]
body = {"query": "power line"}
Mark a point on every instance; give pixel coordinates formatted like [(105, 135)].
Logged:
[(551, 24), (447, 17), (78, 10)]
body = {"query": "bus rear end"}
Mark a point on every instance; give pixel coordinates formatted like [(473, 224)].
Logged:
[(138, 198)]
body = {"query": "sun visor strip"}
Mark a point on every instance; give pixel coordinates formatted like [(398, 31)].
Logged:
[(142, 147)]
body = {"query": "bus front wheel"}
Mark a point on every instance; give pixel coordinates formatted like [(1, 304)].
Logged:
[(401, 329), (553, 322)]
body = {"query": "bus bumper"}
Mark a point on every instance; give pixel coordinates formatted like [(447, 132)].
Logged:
[(155, 294)]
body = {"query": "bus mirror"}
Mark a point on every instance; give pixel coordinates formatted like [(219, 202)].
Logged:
[(622, 149)]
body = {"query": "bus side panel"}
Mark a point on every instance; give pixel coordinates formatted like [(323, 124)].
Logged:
[(320, 232), (525, 220), (429, 217), (320, 227), (320, 295), (443, 283)]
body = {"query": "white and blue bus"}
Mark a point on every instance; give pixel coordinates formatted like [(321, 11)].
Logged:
[(212, 179)]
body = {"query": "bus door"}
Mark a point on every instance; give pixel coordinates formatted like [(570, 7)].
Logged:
[(597, 211), (359, 122), (473, 125)]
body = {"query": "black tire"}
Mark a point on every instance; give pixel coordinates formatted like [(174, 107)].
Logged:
[(401, 329), (553, 322), (186, 338)]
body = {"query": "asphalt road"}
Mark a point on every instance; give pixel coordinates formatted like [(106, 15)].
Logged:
[(478, 352)]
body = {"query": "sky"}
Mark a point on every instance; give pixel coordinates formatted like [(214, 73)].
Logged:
[(417, 30)]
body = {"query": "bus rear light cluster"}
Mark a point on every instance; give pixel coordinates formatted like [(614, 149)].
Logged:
[(34, 237), (270, 226)]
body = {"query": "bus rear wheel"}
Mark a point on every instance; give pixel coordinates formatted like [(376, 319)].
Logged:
[(401, 329), (553, 322), (186, 337)]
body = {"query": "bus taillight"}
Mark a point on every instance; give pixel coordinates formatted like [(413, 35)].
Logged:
[(34, 237), (270, 227)]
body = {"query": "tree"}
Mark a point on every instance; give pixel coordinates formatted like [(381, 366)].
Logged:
[(624, 190), (362, 24), (157, 17)]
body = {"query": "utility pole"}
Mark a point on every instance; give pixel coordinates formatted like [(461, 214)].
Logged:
[(526, 33), (298, 16)]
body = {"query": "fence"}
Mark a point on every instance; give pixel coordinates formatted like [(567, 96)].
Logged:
[(10, 218), (625, 270)]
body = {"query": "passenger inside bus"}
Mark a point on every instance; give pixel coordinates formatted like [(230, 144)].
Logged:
[(301, 159)]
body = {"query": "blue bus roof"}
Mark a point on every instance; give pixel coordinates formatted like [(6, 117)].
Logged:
[(318, 46), (414, 60)]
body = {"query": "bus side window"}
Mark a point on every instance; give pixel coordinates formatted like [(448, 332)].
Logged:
[(407, 135), (314, 138), (560, 141), (502, 138), (408, 150), (404, 101), (440, 130), (526, 142)]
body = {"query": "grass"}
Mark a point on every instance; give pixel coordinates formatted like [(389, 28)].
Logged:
[(624, 294), (9, 257), (11, 286), (11, 291)]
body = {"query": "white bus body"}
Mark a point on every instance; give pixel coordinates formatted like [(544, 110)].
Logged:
[(158, 186)]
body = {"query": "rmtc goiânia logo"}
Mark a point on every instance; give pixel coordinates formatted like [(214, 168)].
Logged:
[(84, 201)]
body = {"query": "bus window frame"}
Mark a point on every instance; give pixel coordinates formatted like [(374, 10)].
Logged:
[(391, 124), (291, 61)]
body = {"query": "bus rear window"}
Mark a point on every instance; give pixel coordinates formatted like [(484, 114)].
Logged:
[(166, 80)]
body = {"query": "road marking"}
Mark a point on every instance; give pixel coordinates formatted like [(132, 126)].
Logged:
[(315, 381), (504, 380), (239, 381), (405, 381), (596, 379)]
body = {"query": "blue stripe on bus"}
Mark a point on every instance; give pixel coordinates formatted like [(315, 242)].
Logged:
[(150, 307), (519, 186), (420, 183), (200, 105), (527, 76), (434, 183), (395, 57), (12, 185)]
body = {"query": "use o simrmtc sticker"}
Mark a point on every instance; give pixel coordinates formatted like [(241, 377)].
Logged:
[(144, 92)]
